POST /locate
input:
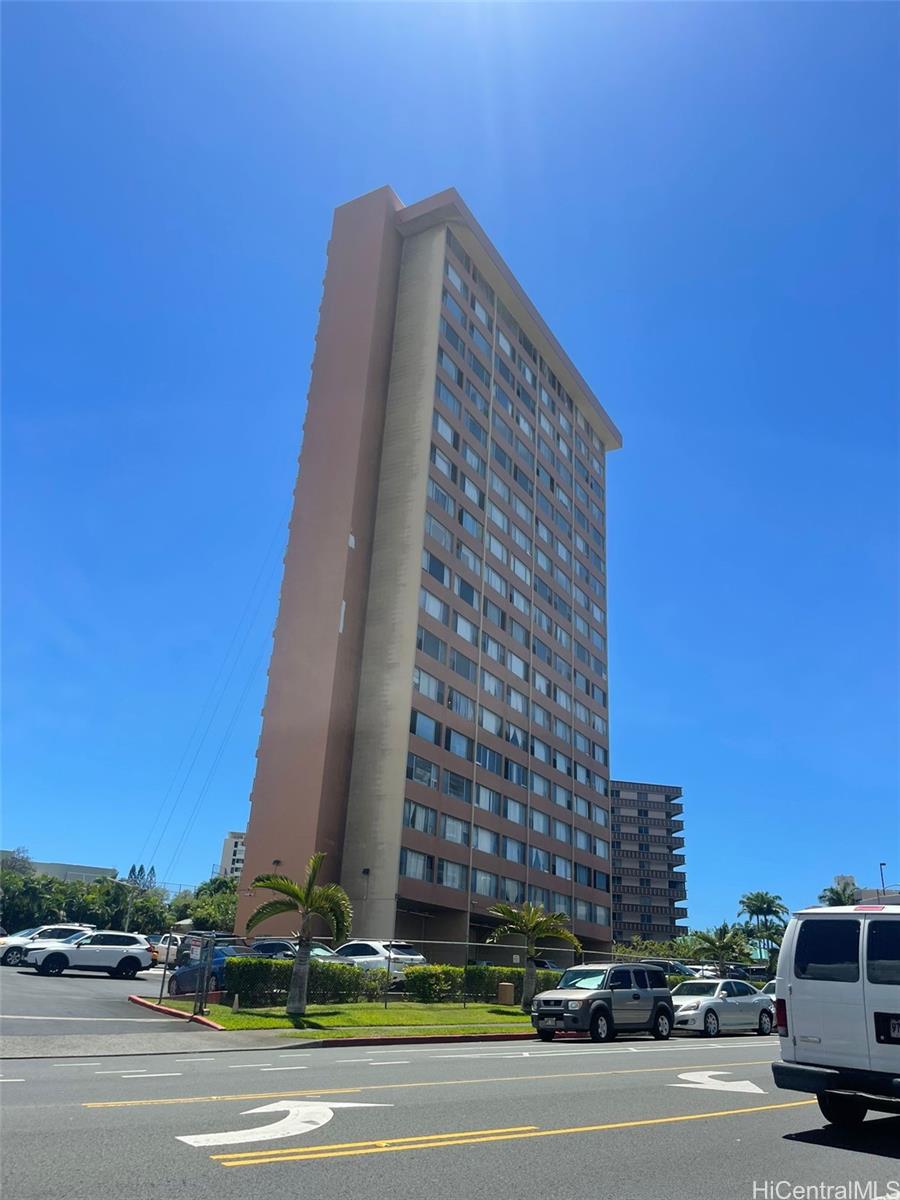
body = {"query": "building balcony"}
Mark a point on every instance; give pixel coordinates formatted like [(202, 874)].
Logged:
[(676, 825), (677, 860), (679, 914), (675, 807), (678, 842)]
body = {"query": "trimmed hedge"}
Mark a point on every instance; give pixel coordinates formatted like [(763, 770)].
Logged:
[(264, 981), (436, 984)]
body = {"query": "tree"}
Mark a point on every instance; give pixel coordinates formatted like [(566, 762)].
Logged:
[(758, 905), (17, 862), (723, 944), (534, 924), (838, 894), (310, 900)]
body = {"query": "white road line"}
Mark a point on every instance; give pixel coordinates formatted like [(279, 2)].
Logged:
[(245, 1066), (85, 1064), (355, 1060), (12, 1080), (392, 1062), (120, 1071), (210, 1059), (304, 1054), (159, 1075), (285, 1068)]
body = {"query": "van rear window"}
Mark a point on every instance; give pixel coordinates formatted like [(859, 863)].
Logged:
[(883, 952), (827, 950)]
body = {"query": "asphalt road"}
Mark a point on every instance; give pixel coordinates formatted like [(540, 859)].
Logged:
[(32, 1005), (478, 1121)]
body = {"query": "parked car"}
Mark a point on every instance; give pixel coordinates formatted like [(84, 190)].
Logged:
[(710, 1006), (769, 990), (173, 945), (544, 964), (12, 948), (120, 954), (837, 1009), (712, 971), (603, 999), (285, 948), (671, 966), (392, 956), (187, 978)]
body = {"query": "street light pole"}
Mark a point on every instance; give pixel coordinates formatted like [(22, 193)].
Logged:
[(881, 867)]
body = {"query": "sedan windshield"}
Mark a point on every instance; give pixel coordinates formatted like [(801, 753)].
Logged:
[(588, 980), (27, 932), (695, 989)]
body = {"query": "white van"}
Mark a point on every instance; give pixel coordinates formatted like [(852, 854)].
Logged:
[(837, 1009)]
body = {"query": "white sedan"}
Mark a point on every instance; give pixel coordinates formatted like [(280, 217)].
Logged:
[(389, 956), (714, 1006)]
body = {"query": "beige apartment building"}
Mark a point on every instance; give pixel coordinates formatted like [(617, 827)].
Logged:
[(436, 715), (648, 883)]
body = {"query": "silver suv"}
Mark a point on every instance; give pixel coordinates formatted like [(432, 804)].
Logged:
[(603, 999)]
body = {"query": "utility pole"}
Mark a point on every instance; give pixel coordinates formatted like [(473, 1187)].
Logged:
[(881, 867)]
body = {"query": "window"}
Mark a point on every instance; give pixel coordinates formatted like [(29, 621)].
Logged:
[(459, 703), (562, 904), (538, 859), (496, 547), (475, 428), (468, 557), (476, 397), (475, 461), (434, 529), (492, 648), (562, 796), (455, 278), (539, 822), (453, 830), (414, 865), (458, 743), (465, 628), (434, 607), (494, 613), (428, 685), (490, 760), (562, 729), (443, 499), (582, 839), (480, 370), (520, 601), (540, 750), (827, 950), (490, 721), (514, 811), (498, 486), (458, 787), (514, 850), (498, 516), (487, 799), (419, 816), (512, 891), (562, 831), (495, 580), (453, 337), (420, 771), (463, 666), (562, 762), (453, 308), (486, 840), (540, 785), (479, 339), (517, 665), (516, 773), (431, 644), (883, 952), (562, 867), (539, 715), (470, 525), (583, 875), (466, 592), (539, 896), (450, 368), (472, 490), (425, 727), (517, 701), (520, 569), (452, 874), (484, 883), (601, 848)]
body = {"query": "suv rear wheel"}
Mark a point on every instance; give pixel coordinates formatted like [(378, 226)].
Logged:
[(601, 1026), (12, 957), (847, 1112), (127, 968), (662, 1025), (53, 964)]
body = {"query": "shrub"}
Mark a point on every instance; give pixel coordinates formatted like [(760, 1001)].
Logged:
[(374, 983), (433, 984), (440, 984), (264, 981)]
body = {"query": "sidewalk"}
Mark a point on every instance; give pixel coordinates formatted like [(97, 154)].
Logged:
[(184, 1039)]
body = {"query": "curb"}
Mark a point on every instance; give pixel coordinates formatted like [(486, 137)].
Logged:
[(175, 1012), (424, 1040)]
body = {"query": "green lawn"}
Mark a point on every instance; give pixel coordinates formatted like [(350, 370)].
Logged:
[(400, 1019)]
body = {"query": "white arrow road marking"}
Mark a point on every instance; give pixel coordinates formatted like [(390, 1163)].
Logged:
[(704, 1079), (301, 1117)]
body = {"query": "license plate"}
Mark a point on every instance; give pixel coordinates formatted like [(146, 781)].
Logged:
[(887, 1028), (548, 1022)]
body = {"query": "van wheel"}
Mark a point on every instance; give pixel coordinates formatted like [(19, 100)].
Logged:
[(844, 1111), (662, 1026), (546, 1035), (765, 1023), (711, 1024), (602, 1027)]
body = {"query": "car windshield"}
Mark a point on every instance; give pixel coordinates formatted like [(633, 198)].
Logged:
[(235, 951), (75, 937), (27, 932), (320, 952), (401, 947), (583, 979), (695, 989)]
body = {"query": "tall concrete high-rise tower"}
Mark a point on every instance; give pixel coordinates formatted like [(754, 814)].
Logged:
[(436, 716)]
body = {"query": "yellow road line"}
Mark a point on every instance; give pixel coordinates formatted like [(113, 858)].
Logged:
[(424, 1137), (317, 1153), (428, 1083)]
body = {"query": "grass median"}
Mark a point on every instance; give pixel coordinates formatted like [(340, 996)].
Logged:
[(401, 1018)]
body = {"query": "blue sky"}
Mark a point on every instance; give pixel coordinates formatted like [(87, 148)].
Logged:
[(701, 200)]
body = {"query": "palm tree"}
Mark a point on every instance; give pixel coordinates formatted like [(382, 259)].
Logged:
[(838, 894), (723, 944), (533, 923), (758, 905), (329, 902)]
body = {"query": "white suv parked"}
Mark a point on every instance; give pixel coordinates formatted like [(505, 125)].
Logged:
[(121, 955), (12, 948), (837, 1009)]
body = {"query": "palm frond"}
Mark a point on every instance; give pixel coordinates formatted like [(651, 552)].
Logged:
[(332, 904), (271, 908), (281, 884), (313, 867)]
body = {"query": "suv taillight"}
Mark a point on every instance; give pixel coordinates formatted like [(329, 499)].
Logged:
[(781, 1018)]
